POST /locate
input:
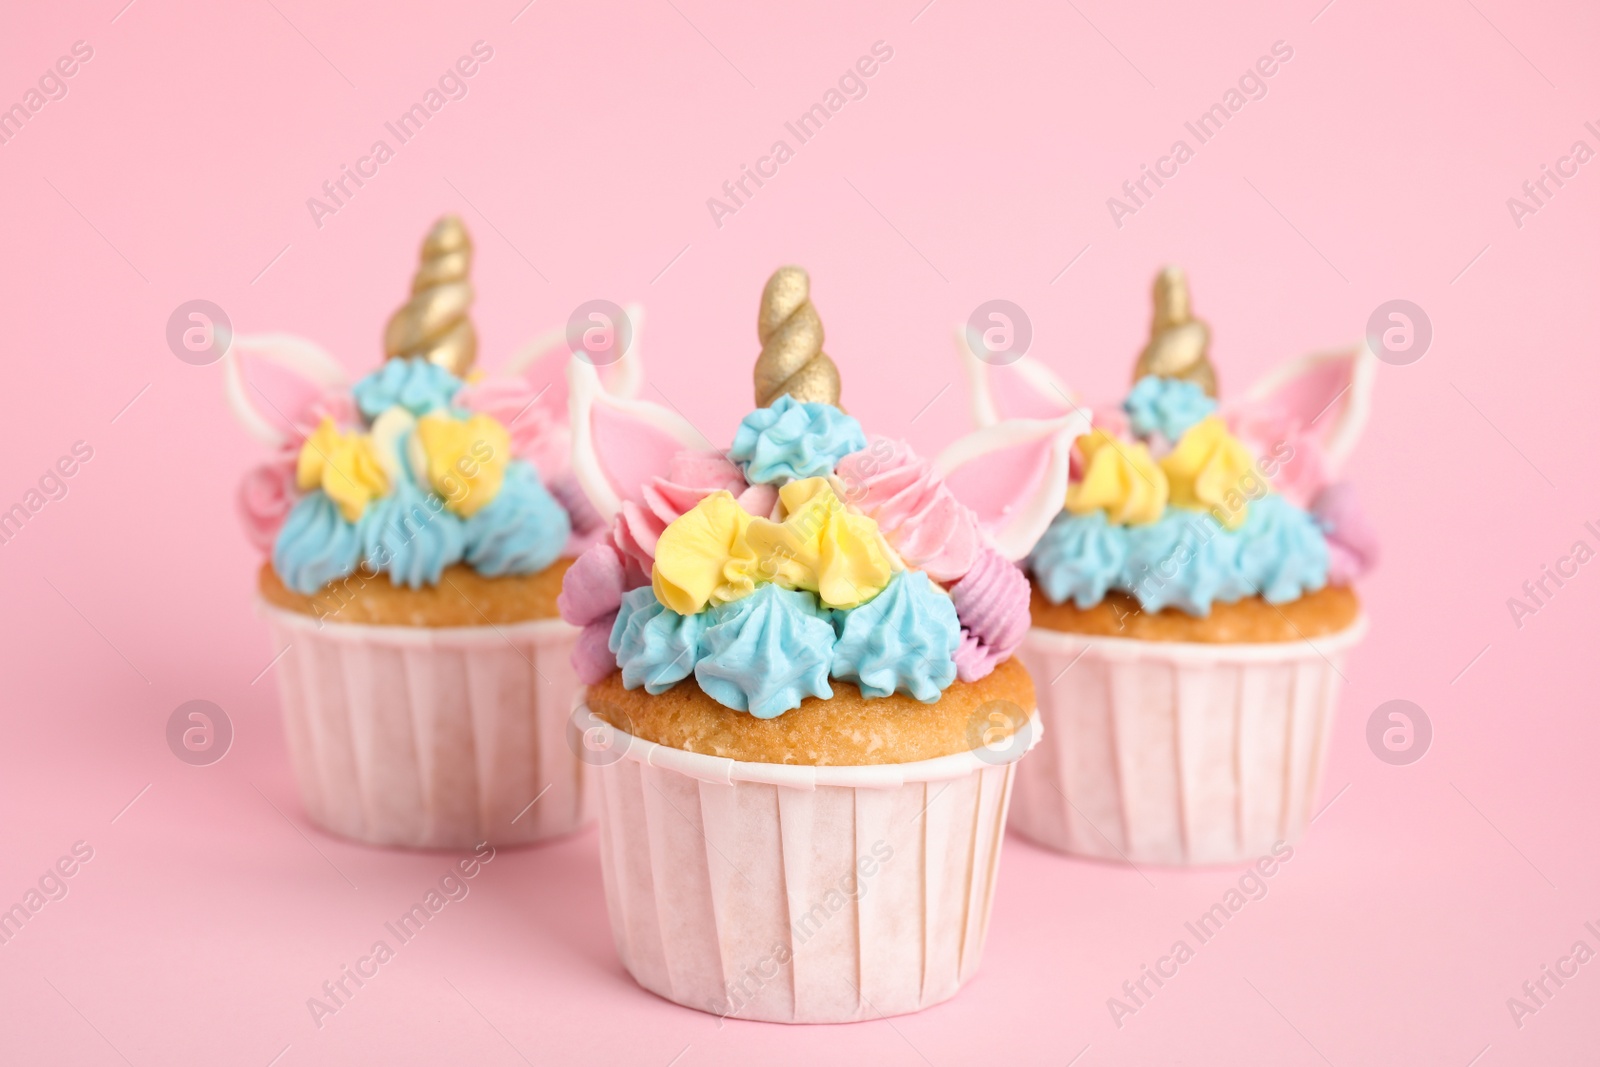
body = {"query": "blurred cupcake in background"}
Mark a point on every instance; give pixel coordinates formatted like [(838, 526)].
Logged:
[(1192, 602), (417, 525)]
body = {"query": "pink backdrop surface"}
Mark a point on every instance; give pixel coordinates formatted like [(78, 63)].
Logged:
[(977, 166)]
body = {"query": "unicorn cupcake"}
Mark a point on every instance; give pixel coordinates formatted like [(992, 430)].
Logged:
[(1192, 602), (800, 686), (417, 525)]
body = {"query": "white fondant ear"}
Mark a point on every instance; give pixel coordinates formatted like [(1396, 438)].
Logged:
[(619, 444), (279, 384), (1014, 476), (1325, 396), (542, 363), (1024, 388), (625, 377)]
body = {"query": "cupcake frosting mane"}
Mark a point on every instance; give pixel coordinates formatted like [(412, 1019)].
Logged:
[(1182, 502), (805, 552)]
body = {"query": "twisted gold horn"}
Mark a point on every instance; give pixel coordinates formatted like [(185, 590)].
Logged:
[(433, 324), (791, 359), (1178, 340)]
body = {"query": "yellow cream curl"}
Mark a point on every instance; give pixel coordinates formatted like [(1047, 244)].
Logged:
[(1207, 464), (466, 460), (716, 552), (1120, 477), (343, 465)]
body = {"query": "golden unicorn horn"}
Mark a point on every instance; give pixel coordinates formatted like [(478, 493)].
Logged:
[(1178, 340), (791, 359), (433, 323)]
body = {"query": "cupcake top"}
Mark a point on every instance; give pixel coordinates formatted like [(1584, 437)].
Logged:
[(417, 466), (1181, 502), (807, 550)]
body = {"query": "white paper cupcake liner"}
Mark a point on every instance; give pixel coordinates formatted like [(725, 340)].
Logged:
[(799, 894), (1176, 753), (433, 737)]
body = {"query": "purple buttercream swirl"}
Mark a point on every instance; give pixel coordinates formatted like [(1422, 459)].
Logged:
[(1352, 543), (591, 593), (992, 604)]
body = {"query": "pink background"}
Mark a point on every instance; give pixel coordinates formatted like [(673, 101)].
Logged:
[(978, 166)]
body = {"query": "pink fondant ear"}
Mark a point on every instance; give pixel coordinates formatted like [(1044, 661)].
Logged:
[(280, 386), (1022, 389), (619, 444), (530, 396), (1320, 400), (1014, 476), (542, 364)]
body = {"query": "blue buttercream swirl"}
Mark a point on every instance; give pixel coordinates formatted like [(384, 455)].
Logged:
[(414, 384), (1079, 558), (316, 545), (409, 536), (903, 640), (1185, 559), (766, 652), (1284, 554), (520, 531), (654, 645), (791, 440), (1167, 406)]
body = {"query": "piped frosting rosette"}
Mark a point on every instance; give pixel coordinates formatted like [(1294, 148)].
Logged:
[(804, 553), (1179, 501)]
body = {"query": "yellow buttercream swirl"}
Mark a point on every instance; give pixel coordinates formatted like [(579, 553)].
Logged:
[(343, 465), (702, 556), (1121, 477), (717, 552), (466, 459), (1208, 464), (821, 546)]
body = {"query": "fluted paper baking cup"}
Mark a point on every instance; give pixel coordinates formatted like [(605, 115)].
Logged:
[(433, 737), (800, 894), (1173, 752)]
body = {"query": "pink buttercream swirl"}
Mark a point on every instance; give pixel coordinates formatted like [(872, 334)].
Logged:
[(587, 525), (266, 494), (591, 593), (1352, 542), (691, 477), (919, 516), (538, 434), (992, 604), (1278, 433)]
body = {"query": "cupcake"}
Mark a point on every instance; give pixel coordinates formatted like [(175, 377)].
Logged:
[(1192, 602), (800, 689), (417, 524)]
